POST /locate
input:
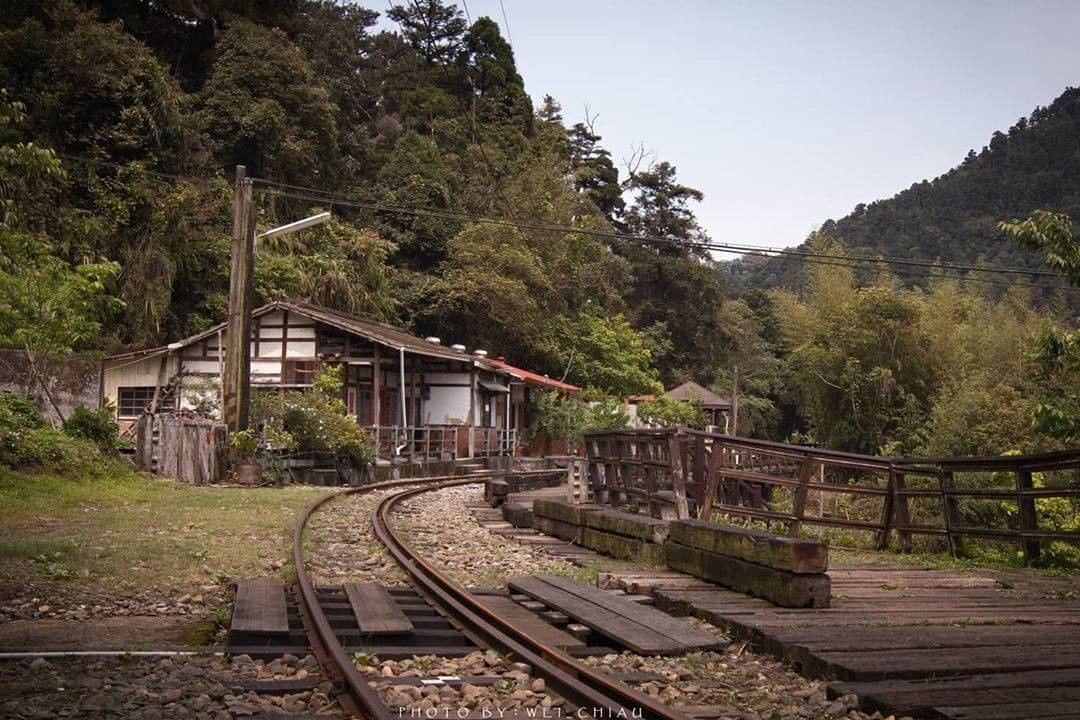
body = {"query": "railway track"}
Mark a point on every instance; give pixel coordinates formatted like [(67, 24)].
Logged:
[(596, 693)]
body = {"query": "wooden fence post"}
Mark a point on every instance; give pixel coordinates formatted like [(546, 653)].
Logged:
[(951, 508), (806, 469), (712, 483), (1029, 517), (901, 514), (697, 486), (882, 540), (678, 476)]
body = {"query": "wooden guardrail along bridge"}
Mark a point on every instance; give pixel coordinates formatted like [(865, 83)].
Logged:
[(689, 473)]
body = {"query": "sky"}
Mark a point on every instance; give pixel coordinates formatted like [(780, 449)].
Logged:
[(786, 114)]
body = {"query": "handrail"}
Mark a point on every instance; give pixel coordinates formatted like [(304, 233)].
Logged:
[(739, 477)]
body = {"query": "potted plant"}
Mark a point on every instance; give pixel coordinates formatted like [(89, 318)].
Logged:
[(248, 468)]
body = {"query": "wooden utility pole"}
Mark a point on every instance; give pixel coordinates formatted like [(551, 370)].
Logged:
[(236, 379)]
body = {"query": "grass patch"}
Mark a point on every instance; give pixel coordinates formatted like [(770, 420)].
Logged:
[(124, 530)]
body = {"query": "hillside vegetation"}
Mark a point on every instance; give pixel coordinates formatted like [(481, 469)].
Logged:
[(954, 217), (121, 123)]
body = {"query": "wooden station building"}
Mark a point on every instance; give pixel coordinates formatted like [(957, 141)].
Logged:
[(420, 398)]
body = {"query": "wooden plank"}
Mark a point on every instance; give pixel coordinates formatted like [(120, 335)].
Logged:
[(781, 587), (259, 607), (529, 621), (1015, 711), (940, 662), (626, 632), (674, 628), (761, 548), (935, 694), (376, 611), (913, 637)]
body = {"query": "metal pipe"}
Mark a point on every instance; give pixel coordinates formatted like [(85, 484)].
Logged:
[(401, 388)]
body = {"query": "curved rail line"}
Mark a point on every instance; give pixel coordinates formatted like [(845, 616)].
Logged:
[(600, 695)]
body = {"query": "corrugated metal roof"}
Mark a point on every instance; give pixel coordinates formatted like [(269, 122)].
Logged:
[(375, 331), (532, 378)]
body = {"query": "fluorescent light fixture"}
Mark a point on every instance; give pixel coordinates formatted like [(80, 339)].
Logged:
[(296, 226)]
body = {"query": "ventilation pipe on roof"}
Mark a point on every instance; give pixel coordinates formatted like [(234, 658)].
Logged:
[(433, 340), (458, 346), (480, 353)]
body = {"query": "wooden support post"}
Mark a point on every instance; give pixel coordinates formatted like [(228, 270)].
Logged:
[(697, 487), (901, 515), (1029, 517), (472, 407), (882, 540), (376, 391), (712, 484), (951, 510), (678, 476), (236, 387), (806, 471)]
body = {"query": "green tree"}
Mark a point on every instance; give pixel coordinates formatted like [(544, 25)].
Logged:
[(263, 108), (434, 30), (665, 412), (48, 308), (607, 353), (1055, 407)]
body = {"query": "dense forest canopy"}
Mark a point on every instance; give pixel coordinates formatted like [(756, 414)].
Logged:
[(122, 121), (954, 218)]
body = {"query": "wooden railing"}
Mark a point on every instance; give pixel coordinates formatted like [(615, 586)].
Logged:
[(488, 442), (700, 474), (442, 442), (427, 442)]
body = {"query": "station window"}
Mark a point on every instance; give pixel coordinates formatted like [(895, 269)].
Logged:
[(132, 401)]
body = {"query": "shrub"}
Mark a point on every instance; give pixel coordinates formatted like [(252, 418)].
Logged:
[(18, 413), (97, 426), (609, 414), (560, 417), (314, 420), (665, 412)]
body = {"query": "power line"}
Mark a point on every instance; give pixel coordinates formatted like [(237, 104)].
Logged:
[(919, 269), (506, 23)]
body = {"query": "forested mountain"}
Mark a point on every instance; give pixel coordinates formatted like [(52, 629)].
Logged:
[(121, 122), (151, 104), (954, 217)]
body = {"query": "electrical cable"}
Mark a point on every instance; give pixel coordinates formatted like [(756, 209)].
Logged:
[(820, 258)]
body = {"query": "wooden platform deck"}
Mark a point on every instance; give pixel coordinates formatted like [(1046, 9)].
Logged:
[(909, 641), (906, 640)]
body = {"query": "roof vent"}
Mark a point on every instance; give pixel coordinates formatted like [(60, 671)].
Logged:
[(480, 353), (433, 340), (458, 346)]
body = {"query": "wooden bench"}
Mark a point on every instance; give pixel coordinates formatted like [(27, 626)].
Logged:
[(375, 610), (644, 630), (259, 607)]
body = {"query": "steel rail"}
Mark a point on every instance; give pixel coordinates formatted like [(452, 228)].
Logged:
[(324, 640), (599, 694)]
